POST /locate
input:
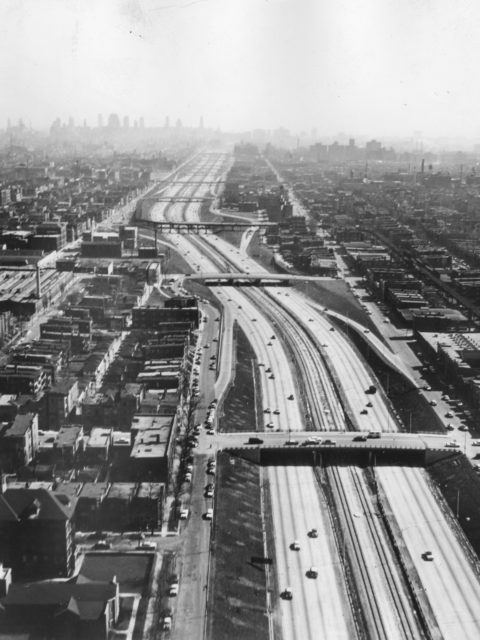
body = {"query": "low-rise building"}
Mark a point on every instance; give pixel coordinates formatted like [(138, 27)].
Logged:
[(19, 441), (78, 608), (89, 503), (61, 399), (36, 533), (153, 439)]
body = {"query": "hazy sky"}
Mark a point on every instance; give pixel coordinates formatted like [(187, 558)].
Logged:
[(374, 67)]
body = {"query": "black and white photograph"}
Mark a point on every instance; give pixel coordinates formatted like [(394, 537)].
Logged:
[(239, 320)]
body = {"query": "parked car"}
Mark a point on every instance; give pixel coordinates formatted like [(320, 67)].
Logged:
[(147, 545), (102, 545)]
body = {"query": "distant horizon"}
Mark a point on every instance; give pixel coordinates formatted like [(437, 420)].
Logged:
[(418, 141), (331, 65)]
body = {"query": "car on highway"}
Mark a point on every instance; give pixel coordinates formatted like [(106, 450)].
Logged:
[(364, 412), (276, 412), (271, 376), (427, 556), (366, 330), (476, 443), (330, 442), (332, 328), (313, 533), (287, 593), (312, 572), (269, 344), (369, 404), (360, 438), (270, 425), (268, 370), (312, 441), (255, 440), (295, 545), (267, 410), (452, 444), (291, 397), (292, 443)]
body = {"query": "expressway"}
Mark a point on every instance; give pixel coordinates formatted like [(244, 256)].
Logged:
[(275, 393), (339, 361)]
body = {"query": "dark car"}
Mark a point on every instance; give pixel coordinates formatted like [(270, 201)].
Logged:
[(360, 439), (255, 441)]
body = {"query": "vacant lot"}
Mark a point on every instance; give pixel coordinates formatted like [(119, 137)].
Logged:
[(237, 601), (132, 571)]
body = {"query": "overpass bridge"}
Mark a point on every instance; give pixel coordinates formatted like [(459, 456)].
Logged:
[(338, 447), (174, 199), (252, 279), (165, 226)]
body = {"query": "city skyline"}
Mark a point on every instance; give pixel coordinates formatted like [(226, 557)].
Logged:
[(370, 68)]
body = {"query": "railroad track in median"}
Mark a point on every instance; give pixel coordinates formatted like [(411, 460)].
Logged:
[(386, 608)]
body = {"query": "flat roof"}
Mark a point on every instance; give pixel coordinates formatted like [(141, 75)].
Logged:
[(99, 437), (121, 490), (94, 490), (68, 435), (150, 490)]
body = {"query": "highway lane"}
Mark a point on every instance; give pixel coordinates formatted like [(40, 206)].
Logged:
[(449, 581), (350, 369), (387, 608), (320, 607)]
